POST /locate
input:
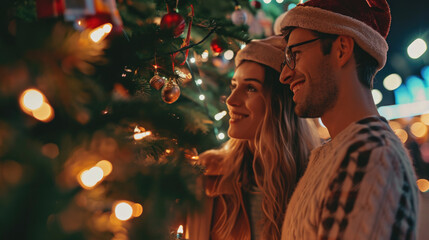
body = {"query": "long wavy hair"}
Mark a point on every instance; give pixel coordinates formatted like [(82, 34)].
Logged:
[(282, 146)]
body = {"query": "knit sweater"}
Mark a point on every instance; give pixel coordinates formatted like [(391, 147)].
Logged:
[(360, 185)]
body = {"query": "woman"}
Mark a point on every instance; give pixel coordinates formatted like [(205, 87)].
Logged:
[(250, 179)]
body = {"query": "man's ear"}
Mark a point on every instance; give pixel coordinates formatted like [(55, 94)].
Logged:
[(344, 49)]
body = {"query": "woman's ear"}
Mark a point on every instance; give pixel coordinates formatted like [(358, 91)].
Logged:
[(344, 49)]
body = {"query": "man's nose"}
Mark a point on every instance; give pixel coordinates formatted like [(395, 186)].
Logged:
[(286, 75)]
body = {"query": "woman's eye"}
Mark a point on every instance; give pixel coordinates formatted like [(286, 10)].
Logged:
[(250, 88), (232, 86)]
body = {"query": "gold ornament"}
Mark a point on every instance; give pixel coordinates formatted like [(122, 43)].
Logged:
[(157, 81), (171, 92)]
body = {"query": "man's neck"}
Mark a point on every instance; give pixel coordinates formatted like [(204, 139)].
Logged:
[(351, 106)]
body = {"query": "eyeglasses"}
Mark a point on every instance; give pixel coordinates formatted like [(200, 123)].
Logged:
[(290, 60)]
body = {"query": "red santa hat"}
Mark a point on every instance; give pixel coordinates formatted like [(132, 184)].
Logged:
[(366, 21), (268, 51)]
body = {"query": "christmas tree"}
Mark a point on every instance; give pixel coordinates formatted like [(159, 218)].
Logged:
[(105, 106)]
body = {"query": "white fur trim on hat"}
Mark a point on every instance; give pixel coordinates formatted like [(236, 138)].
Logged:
[(325, 21), (269, 52)]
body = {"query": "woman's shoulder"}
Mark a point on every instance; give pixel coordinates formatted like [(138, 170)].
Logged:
[(212, 160)]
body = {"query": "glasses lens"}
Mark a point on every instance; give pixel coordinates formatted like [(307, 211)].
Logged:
[(289, 59)]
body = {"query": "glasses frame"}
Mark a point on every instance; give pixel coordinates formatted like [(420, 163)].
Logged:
[(290, 60)]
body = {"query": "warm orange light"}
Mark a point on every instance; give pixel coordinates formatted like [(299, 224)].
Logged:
[(31, 99), (140, 136), (402, 135), (425, 118), (394, 125), (137, 210), (100, 32), (418, 129), (106, 166), (423, 185), (44, 113), (89, 178), (179, 232), (123, 211)]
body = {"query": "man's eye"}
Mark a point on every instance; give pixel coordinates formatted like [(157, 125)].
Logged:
[(232, 86)]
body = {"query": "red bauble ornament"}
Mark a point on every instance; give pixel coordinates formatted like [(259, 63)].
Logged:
[(256, 4), (217, 45), (174, 22)]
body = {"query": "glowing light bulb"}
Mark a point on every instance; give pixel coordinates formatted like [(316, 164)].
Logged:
[(192, 60), (220, 115), (267, 1), (106, 166), (100, 32), (89, 178), (279, 1), (31, 99), (123, 211), (202, 97), (198, 81)]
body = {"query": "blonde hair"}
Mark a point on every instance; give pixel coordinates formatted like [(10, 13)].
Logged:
[(282, 146)]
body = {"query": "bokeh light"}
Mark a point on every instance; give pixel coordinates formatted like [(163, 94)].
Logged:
[(50, 150), (402, 135), (198, 81), (31, 99), (100, 32), (137, 209), (44, 113), (394, 125), (221, 136), (377, 96), (417, 48), (123, 211), (423, 185), (220, 115), (392, 82), (202, 97), (106, 166), (425, 118), (89, 178), (418, 129), (228, 54)]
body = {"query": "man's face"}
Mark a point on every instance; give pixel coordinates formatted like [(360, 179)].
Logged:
[(313, 80)]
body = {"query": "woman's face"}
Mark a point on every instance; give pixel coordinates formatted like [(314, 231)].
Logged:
[(246, 104)]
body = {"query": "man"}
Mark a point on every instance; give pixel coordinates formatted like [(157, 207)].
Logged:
[(361, 184)]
